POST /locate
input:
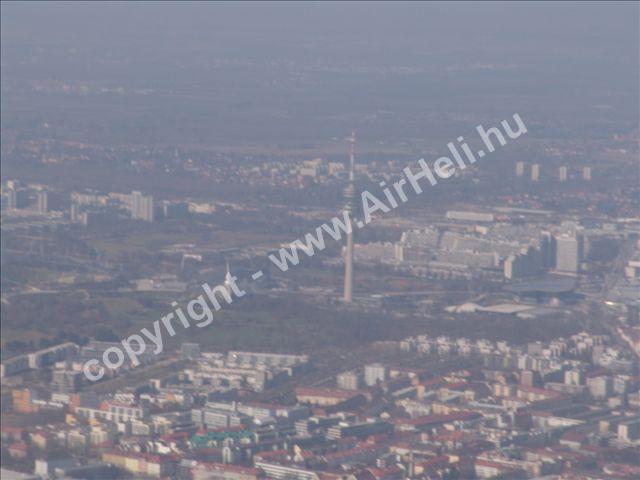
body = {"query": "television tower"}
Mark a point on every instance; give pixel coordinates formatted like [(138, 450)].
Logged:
[(349, 193), (228, 279)]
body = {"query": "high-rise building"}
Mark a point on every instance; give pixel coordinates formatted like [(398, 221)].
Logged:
[(17, 198), (523, 264), (12, 198), (348, 380), (74, 213), (629, 430), (562, 174), (529, 378), (520, 169), (569, 250), (42, 198), (142, 207), (573, 377), (171, 210), (374, 373), (600, 387), (535, 172), (547, 250), (349, 194), (586, 173), (66, 381), (511, 268)]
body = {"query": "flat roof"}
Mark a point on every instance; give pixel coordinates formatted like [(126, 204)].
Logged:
[(549, 285)]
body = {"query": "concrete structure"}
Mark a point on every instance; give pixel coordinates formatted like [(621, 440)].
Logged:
[(42, 199), (284, 472), (142, 207), (362, 429), (522, 264), (348, 381), (53, 354), (114, 411), (600, 387), (267, 359), (535, 172), (154, 466), (569, 253), (349, 193), (629, 430), (374, 373), (17, 198), (66, 381), (14, 365), (469, 216), (548, 247), (562, 174), (329, 397)]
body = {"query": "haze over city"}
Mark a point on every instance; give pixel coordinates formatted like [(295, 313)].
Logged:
[(320, 240)]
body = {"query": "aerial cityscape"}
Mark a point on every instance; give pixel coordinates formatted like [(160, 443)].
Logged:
[(320, 240)]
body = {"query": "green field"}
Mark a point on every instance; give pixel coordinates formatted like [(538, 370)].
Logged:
[(258, 322)]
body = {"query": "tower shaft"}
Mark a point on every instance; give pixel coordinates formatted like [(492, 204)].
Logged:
[(348, 270), (349, 194)]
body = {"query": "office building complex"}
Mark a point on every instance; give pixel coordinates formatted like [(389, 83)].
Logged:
[(522, 264), (548, 247), (569, 253)]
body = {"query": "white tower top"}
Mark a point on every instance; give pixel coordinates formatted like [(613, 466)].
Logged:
[(228, 281)]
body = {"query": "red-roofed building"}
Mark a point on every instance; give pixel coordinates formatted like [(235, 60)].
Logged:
[(431, 465), (330, 398), (12, 433), (428, 422), (361, 454), (272, 455), (18, 450), (390, 473), (573, 440)]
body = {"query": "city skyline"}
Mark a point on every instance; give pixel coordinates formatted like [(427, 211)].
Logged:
[(320, 240)]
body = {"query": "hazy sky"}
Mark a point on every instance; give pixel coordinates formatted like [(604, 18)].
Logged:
[(300, 60), (382, 32)]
